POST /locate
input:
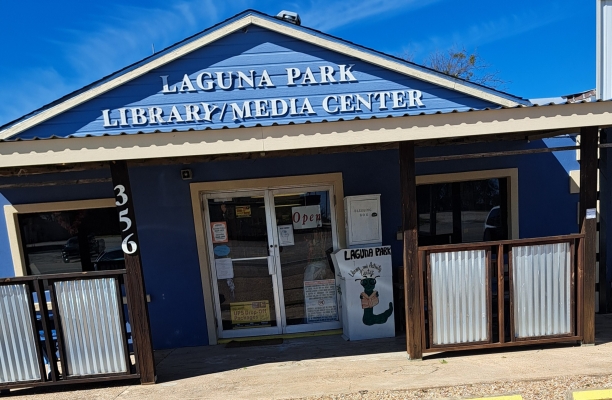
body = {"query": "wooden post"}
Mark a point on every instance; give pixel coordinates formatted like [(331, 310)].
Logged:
[(588, 226), (412, 283), (134, 282)]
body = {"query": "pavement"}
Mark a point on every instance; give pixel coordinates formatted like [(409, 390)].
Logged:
[(330, 366)]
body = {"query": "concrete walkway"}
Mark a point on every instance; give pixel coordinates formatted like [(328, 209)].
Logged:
[(329, 365)]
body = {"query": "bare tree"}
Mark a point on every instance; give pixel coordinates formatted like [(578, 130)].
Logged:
[(460, 63)]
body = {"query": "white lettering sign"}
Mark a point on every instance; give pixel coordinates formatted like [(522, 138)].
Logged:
[(257, 108)]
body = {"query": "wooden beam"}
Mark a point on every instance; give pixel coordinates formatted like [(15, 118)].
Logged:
[(51, 169), (514, 136), (412, 283), (496, 154), (270, 154), (54, 183), (588, 226), (134, 280)]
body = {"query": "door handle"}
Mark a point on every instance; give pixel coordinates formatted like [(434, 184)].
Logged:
[(271, 266)]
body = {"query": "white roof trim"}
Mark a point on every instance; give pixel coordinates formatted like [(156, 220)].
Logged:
[(280, 27), (303, 136), (407, 69)]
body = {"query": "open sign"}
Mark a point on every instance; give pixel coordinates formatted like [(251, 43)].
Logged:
[(306, 217)]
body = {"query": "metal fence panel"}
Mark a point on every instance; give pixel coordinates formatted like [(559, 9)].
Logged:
[(92, 326), (542, 298), (18, 354), (459, 297)]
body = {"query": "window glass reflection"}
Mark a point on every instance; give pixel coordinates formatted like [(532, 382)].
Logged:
[(71, 241)]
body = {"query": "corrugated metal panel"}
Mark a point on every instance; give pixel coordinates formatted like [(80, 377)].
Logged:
[(459, 297), (18, 357), (542, 299), (92, 326)]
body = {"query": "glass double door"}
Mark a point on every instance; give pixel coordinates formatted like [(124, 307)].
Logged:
[(269, 253)]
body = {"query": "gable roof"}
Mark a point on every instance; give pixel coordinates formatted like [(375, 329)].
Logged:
[(236, 23)]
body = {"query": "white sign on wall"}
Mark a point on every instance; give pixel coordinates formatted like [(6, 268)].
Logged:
[(260, 106), (306, 217)]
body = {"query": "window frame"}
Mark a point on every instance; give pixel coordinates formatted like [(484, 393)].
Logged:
[(12, 212), (511, 174)]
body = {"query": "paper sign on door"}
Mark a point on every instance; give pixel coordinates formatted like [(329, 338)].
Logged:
[(225, 268), (306, 217), (285, 235), (219, 232)]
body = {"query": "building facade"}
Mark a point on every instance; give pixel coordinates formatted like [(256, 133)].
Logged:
[(240, 144)]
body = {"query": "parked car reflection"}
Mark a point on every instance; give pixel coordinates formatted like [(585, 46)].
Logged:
[(71, 252), (493, 227), (110, 259)]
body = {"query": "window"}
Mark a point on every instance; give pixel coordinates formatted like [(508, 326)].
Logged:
[(77, 236), (463, 211)]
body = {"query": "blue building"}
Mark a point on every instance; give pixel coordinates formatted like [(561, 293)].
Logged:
[(217, 168)]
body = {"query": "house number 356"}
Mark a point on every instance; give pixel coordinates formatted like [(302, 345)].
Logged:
[(128, 246)]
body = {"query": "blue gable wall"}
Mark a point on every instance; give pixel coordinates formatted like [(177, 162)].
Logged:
[(258, 49)]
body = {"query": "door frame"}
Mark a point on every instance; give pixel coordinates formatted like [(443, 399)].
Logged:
[(270, 330), (199, 188), (288, 329)]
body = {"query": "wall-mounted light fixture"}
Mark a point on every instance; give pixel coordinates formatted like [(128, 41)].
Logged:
[(186, 174)]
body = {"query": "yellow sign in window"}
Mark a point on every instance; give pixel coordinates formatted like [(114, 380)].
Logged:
[(249, 314), (243, 211)]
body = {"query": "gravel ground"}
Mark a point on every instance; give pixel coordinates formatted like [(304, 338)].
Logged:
[(548, 389)]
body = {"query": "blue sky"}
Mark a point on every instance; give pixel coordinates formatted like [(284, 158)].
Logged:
[(50, 48)]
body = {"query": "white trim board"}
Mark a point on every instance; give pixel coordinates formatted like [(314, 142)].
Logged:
[(304, 136), (276, 26), (11, 213)]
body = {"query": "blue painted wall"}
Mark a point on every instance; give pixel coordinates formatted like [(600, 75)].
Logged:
[(257, 49), (165, 218), (546, 205), (166, 227)]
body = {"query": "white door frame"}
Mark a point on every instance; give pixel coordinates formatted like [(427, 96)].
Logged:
[(304, 327), (244, 332)]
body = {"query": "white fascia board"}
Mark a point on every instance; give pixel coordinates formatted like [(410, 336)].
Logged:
[(113, 83), (303, 136), (280, 27), (414, 71)]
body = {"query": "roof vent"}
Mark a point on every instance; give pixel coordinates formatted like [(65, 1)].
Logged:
[(289, 16)]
